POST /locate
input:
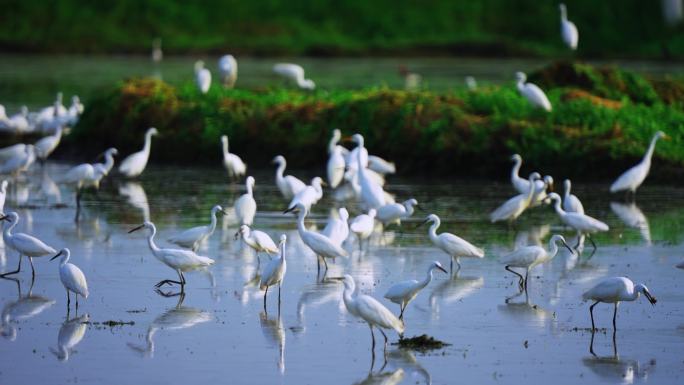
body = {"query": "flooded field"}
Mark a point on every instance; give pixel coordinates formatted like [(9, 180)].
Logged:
[(218, 332)]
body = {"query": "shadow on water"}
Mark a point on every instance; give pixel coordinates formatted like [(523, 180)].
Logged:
[(315, 295), (274, 333), (633, 217), (613, 368), (70, 334), (23, 308)]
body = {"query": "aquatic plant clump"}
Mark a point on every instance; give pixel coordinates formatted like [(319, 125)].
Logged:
[(422, 343)]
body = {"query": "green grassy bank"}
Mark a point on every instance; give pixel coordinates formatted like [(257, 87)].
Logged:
[(602, 121)]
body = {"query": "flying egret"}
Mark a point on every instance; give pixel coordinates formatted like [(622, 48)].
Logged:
[(23, 243), (530, 256), (193, 237), (568, 29), (202, 77), (514, 207), (631, 179), (228, 70), (288, 185), (46, 145), (177, 259), (532, 92), (454, 246), (404, 292), (571, 203), (72, 277), (245, 205), (257, 240), (395, 212), (3, 195), (363, 225), (337, 229), (614, 290), (294, 72), (370, 310), (235, 166), (135, 163), (582, 223), (309, 196), (274, 272), (321, 245)]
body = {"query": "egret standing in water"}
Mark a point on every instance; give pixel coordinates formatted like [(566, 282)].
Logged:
[(370, 310), (532, 92), (245, 205), (274, 272), (631, 179), (135, 163), (46, 145), (571, 203), (309, 196), (454, 246), (404, 292), (530, 256), (363, 226), (337, 229), (177, 259), (24, 244), (321, 245), (568, 29), (233, 164), (257, 240), (395, 212), (614, 290), (72, 277), (514, 207), (582, 223), (193, 237), (288, 185)]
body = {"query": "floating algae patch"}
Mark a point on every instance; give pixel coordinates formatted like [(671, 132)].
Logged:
[(422, 343)]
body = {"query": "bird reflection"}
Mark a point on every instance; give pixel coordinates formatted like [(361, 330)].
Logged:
[(383, 377), (274, 332), (612, 368), (633, 217), (70, 334), (49, 191), (531, 236), (405, 360), (136, 197), (179, 317), (454, 290), (315, 295), (523, 309), (23, 308)]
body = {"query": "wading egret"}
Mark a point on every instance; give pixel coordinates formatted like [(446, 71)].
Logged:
[(257, 240), (381, 166), (514, 207), (72, 277), (615, 290), (274, 272), (532, 92), (363, 225), (12, 151), (309, 196), (202, 77), (295, 73), (193, 237), (631, 179), (571, 203), (24, 244), (454, 246), (335, 166), (83, 176), (134, 164), (395, 212), (109, 159), (372, 193), (177, 259), (321, 245), (521, 185), (568, 29), (404, 292), (530, 256), (370, 310), (288, 185), (46, 145), (235, 166), (337, 229), (245, 205), (582, 223), (228, 70), (19, 162)]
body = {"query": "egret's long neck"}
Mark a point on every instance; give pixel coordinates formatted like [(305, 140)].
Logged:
[(212, 225), (148, 143), (564, 15), (531, 191), (281, 169), (553, 248), (567, 191), (521, 84), (249, 188), (558, 208), (225, 148), (634, 295), (333, 143), (433, 230), (428, 278), (64, 259), (515, 171), (109, 161), (8, 230), (300, 222), (282, 251), (409, 210), (150, 241), (249, 239), (649, 152)]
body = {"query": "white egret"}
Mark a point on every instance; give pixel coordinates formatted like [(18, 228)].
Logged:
[(46, 145), (372, 193), (294, 72), (522, 186), (568, 29), (288, 185), (370, 310), (177, 259), (3, 195), (72, 277), (235, 166), (363, 225), (337, 229), (257, 240), (19, 162), (193, 237), (530, 256), (582, 223), (335, 166), (395, 212), (75, 110), (228, 70), (411, 79), (202, 77), (19, 122), (24, 244), (84, 175), (12, 151), (571, 203), (471, 83), (135, 163), (321, 245), (157, 53), (532, 92), (70, 334), (404, 292), (451, 244), (109, 160), (631, 179), (309, 196), (274, 272), (514, 207), (245, 205), (381, 166), (615, 290)]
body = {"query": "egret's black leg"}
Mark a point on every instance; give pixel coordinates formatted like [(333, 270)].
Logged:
[(591, 344), (33, 270), (615, 316), (591, 313), (521, 279), (265, 294), (372, 338), (15, 271), (384, 335)]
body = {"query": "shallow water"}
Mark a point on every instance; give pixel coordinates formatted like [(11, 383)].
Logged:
[(219, 333)]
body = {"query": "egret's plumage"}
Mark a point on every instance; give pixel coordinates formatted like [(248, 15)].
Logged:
[(134, 164), (274, 272), (395, 212), (530, 256), (451, 244), (192, 238), (615, 290), (581, 222), (233, 164), (309, 196), (202, 77), (24, 244), (571, 203), (288, 185), (257, 240), (245, 205), (228, 70), (337, 229), (568, 29), (532, 92), (372, 193), (362, 225), (515, 206), (46, 145), (295, 73), (404, 292), (71, 276), (631, 179), (321, 245)]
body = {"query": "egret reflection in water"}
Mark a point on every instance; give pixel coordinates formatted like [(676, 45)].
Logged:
[(23, 308), (274, 333), (454, 290), (383, 377), (632, 216), (70, 334), (136, 197), (614, 369)]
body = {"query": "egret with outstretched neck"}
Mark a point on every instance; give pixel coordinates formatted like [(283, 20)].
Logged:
[(257, 240), (72, 277), (456, 247), (288, 185), (134, 164), (582, 223), (193, 237), (321, 245), (568, 29), (404, 292), (515, 206), (571, 203), (274, 272), (631, 179), (295, 73), (615, 290), (24, 244), (530, 256), (233, 164)]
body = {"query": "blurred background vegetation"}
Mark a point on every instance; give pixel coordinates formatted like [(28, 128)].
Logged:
[(608, 28)]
